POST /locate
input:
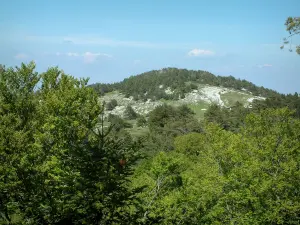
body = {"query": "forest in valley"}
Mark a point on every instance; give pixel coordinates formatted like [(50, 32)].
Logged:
[(63, 161)]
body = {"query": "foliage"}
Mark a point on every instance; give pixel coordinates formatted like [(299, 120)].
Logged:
[(101, 89), (141, 121), (280, 101), (293, 27), (231, 119), (111, 104), (166, 122), (129, 113), (219, 177), (153, 84), (61, 163), (55, 167), (118, 123)]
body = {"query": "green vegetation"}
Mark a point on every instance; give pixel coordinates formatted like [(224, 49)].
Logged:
[(55, 168), (129, 113), (230, 98), (199, 109), (153, 84), (63, 161), (293, 27), (111, 105), (141, 121)]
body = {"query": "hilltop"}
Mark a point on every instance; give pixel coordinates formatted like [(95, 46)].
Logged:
[(197, 89), (173, 83)]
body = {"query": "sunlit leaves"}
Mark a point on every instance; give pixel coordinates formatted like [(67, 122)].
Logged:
[(55, 168), (249, 177)]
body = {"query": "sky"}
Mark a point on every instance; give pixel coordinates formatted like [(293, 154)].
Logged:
[(108, 41)]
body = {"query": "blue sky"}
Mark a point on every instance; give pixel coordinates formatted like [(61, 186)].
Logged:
[(110, 40)]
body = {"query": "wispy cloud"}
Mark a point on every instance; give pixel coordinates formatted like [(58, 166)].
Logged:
[(200, 52), (88, 57), (72, 54), (92, 57), (92, 41), (109, 42), (21, 56), (264, 65)]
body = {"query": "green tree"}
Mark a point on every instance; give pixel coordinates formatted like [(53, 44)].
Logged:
[(141, 121), (55, 166), (118, 123), (111, 104), (221, 177), (129, 113)]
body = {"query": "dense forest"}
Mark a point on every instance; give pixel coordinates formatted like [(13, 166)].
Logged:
[(181, 81), (60, 163)]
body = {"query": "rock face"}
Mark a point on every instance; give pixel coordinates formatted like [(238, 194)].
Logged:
[(206, 93), (140, 107)]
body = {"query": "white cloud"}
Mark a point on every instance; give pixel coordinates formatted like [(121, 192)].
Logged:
[(72, 54), (21, 56), (90, 57), (264, 65), (200, 52)]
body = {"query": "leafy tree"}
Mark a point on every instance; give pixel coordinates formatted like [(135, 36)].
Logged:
[(141, 121), (111, 104), (293, 27), (161, 177), (55, 166), (129, 113), (231, 119), (118, 123), (166, 122), (173, 120), (216, 114), (220, 177)]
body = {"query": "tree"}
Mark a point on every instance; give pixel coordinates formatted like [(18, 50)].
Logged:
[(111, 104), (221, 177), (56, 167), (293, 27), (118, 123), (141, 121), (129, 113)]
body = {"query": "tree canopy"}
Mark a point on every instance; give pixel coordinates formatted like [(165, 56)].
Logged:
[(173, 83), (62, 161), (56, 166)]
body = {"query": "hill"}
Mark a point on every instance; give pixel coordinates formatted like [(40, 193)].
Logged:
[(197, 89), (153, 84)]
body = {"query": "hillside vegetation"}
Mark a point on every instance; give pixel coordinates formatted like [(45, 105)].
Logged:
[(199, 90), (152, 85), (68, 157)]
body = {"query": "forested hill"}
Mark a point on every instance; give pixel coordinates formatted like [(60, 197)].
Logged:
[(152, 84)]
